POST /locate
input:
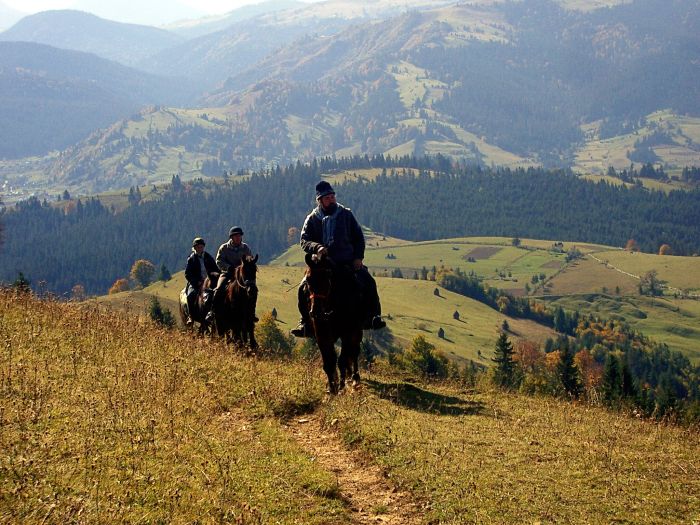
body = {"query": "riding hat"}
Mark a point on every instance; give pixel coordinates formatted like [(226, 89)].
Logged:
[(198, 240), (323, 188), (235, 230)]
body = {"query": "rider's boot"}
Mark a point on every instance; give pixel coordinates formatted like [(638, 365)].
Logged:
[(303, 329)]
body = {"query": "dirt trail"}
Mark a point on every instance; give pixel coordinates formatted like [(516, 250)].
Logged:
[(371, 497)]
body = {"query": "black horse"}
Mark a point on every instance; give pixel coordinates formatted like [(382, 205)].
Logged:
[(335, 308), (235, 316)]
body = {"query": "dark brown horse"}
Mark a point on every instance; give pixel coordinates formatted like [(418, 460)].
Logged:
[(336, 313), (235, 317)]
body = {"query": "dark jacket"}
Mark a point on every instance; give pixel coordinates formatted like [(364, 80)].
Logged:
[(193, 272), (348, 240)]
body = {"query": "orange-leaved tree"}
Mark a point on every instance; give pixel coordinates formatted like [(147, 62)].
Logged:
[(142, 272), (665, 249), (120, 285)]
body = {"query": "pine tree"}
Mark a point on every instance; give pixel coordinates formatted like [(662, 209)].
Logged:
[(160, 315), (164, 274), (612, 381), (568, 373), (504, 375)]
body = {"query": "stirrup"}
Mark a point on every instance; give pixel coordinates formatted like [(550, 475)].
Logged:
[(301, 331), (375, 323)]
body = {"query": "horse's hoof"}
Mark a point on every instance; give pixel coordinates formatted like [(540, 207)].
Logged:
[(332, 389)]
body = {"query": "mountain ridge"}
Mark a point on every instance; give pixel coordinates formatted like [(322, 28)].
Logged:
[(52, 98), (82, 31)]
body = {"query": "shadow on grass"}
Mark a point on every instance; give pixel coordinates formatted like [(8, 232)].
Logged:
[(411, 396)]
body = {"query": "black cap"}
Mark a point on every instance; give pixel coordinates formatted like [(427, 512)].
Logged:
[(234, 230), (198, 240), (323, 188)]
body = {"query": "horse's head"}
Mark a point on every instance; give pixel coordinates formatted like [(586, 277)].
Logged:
[(319, 281), (247, 273)]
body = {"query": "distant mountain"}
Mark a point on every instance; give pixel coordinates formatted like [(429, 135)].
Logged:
[(51, 98), (80, 31), (510, 84), (212, 24), (214, 57), (8, 16), (151, 12), (521, 76)]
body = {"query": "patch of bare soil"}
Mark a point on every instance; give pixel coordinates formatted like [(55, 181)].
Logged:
[(369, 494), (483, 252)]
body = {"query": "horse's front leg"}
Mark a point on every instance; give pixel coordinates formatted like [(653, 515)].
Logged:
[(330, 362), (352, 355), (251, 335)]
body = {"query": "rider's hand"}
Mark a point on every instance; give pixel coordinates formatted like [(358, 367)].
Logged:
[(322, 251), (357, 264)]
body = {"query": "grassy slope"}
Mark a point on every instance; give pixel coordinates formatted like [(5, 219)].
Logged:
[(596, 155), (412, 309), (106, 419), (586, 285), (109, 419)]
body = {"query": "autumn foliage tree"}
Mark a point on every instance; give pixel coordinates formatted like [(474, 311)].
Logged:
[(120, 285), (142, 272), (632, 246), (665, 249)]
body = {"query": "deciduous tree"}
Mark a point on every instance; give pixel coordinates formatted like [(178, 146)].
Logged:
[(142, 272), (120, 285)]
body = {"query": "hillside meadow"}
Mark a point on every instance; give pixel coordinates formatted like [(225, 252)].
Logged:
[(107, 418), (409, 306), (603, 282)]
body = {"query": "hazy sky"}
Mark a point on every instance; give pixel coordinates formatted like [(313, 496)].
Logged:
[(206, 6)]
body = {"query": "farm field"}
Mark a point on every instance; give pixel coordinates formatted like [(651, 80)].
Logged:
[(494, 258), (678, 272)]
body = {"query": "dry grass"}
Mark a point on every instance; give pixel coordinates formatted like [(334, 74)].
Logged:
[(487, 457), (105, 418)]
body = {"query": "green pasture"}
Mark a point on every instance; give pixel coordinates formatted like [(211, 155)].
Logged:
[(409, 306), (414, 84), (492, 256), (675, 322), (587, 276), (682, 273)]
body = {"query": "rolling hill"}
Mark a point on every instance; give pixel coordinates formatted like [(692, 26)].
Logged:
[(411, 308), (51, 98), (80, 31)]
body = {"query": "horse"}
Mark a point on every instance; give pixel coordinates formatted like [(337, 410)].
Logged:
[(237, 311), (198, 314), (336, 313)]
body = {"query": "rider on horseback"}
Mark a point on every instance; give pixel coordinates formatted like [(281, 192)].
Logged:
[(228, 257), (200, 265), (331, 230)]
